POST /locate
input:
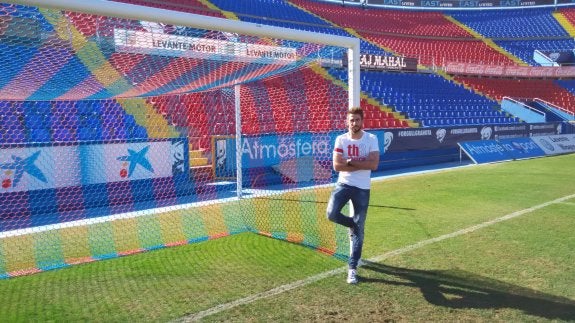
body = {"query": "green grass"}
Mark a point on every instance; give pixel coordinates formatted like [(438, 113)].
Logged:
[(516, 270)]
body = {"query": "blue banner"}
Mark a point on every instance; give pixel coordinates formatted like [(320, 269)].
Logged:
[(484, 151), (488, 151), (272, 149), (521, 148)]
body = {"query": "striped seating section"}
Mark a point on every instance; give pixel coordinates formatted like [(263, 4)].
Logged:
[(417, 23), (432, 47), (547, 90), (191, 6), (66, 121), (513, 23), (430, 36), (431, 100), (535, 29), (524, 48), (433, 37)]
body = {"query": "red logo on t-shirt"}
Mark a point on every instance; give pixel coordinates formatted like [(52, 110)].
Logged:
[(352, 151)]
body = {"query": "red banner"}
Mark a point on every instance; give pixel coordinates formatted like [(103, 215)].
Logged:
[(499, 70)]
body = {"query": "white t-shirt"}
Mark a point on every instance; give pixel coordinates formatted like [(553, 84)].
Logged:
[(356, 149)]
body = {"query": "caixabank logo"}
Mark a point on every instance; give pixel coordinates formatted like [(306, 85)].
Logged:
[(133, 159), (14, 170)]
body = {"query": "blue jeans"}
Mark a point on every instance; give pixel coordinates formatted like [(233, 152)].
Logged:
[(360, 200)]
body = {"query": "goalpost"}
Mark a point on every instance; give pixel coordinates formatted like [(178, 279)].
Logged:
[(138, 120)]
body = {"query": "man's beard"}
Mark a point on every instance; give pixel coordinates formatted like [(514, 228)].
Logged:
[(353, 129)]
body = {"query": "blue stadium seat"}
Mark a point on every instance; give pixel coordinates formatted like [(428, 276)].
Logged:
[(34, 121), (62, 134), (39, 135)]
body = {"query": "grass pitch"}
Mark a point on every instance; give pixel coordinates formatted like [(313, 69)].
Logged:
[(515, 270)]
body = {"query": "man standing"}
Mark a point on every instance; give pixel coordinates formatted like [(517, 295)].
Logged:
[(356, 154)]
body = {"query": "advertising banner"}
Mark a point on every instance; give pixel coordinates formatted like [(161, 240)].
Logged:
[(521, 148), (484, 151), (270, 150), (278, 152), (126, 161), (156, 42), (385, 63), (555, 145), (442, 4), (378, 62), (488, 151), (37, 167), (500, 70), (448, 137)]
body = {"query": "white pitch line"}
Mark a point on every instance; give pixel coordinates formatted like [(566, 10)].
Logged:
[(300, 283)]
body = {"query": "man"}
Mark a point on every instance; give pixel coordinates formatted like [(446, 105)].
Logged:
[(356, 154)]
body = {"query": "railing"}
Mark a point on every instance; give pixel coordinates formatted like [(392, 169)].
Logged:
[(522, 110), (570, 114)]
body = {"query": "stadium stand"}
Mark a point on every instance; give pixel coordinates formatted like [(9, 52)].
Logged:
[(430, 37), (519, 31), (524, 49), (430, 99), (190, 6), (65, 121), (433, 37), (547, 90), (416, 23), (513, 23)]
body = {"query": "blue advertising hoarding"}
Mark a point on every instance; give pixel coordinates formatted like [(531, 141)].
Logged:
[(273, 151), (521, 148), (489, 151), (484, 151)]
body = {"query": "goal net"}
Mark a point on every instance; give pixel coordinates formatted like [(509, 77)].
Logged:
[(122, 135)]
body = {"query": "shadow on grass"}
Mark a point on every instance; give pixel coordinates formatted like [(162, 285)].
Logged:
[(461, 289)]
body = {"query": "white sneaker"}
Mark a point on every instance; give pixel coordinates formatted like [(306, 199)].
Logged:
[(352, 276)]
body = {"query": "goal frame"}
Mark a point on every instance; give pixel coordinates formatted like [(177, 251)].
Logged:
[(137, 12)]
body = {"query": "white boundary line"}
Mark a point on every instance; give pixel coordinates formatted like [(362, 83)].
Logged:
[(306, 281)]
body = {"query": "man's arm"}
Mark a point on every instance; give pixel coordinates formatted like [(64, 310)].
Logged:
[(340, 164), (370, 163)]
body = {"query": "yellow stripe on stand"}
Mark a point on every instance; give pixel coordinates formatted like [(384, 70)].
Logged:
[(487, 41), (227, 14), (88, 52), (146, 116), (565, 23)]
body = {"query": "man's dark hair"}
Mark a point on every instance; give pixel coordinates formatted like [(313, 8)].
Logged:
[(356, 110)]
